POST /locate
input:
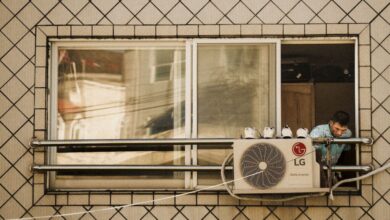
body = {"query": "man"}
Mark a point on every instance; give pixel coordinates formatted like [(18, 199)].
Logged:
[(336, 128)]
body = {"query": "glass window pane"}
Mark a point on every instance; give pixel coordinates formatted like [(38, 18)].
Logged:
[(236, 89), (119, 94)]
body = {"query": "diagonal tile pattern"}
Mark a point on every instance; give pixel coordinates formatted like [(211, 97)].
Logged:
[(331, 13), (14, 30), (150, 14), (347, 6), (30, 15), (14, 119), (18, 20), (180, 14), (363, 13), (5, 104), (165, 6), (44, 6), (14, 64), (105, 6), (13, 150), (119, 14), (66, 15), (90, 14), (15, 7), (74, 6), (270, 14), (6, 44), (210, 14), (240, 14), (14, 89), (5, 15), (301, 13)]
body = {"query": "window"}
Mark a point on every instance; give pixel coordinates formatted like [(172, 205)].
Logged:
[(318, 79), (236, 88), (105, 91), (157, 89), (324, 70), (143, 89)]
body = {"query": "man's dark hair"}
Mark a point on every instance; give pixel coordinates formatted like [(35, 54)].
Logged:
[(341, 117)]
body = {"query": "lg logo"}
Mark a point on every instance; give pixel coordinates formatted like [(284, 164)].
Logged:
[(299, 149)]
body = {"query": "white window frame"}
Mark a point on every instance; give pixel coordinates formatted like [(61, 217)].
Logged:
[(190, 82)]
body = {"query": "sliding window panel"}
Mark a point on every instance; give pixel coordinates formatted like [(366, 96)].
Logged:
[(236, 88), (120, 91)]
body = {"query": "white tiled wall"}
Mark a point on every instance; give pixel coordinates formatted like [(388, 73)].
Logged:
[(25, 26)]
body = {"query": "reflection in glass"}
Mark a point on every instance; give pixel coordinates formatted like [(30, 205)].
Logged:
[(236, 89), (118, 94)]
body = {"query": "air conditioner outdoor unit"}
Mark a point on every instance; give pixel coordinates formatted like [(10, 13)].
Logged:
[(275, 166)]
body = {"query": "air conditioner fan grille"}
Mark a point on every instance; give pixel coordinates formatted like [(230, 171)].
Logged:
[(266, 160)]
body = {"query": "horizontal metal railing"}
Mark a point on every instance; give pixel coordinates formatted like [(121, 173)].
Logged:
[(44, 168), (128, 168), (352, 168), (130, 142), (367, 141), (163, 143)]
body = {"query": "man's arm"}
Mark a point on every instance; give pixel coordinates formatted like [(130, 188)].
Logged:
[(316, 133)]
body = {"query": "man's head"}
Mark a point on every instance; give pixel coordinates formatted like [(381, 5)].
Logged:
[(339, 123)]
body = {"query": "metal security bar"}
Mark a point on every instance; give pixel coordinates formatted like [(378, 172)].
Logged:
[(130, 142), (367, 141), (364, 169), (127, 168), (44, 168), (167, 143)]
